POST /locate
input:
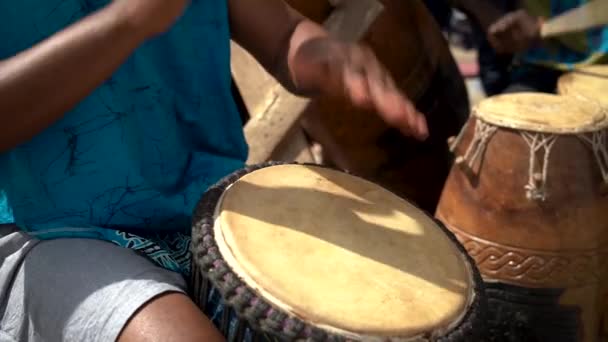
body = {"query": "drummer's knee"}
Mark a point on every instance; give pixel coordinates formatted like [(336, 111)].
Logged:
[(170, 317)]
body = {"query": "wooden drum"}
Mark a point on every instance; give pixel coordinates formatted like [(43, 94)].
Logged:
[(527, 199), (407, 40), (590, 83), (306, 253)]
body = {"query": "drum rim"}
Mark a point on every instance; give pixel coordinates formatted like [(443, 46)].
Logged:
[(264, 316), (490, 118)]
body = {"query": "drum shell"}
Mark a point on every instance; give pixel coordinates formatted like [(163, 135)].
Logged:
[(409, 43), (559, 243)]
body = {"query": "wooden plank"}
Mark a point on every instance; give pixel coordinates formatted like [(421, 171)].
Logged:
[(585, 17), (254, 83), (277, 112)]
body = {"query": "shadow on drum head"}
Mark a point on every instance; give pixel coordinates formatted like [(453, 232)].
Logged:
[(364, 222)]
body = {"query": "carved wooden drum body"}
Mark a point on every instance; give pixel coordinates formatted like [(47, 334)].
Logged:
[(526, 198), (306, 253)]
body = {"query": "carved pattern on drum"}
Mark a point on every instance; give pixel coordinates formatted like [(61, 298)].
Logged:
[(597, 141), (534, 268), (535, 189)]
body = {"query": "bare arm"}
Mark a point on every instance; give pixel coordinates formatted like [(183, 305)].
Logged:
[(279, 32), (38, 85), (307, 60)]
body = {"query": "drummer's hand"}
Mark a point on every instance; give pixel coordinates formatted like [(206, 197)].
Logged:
[(515, 32), (354, 72)]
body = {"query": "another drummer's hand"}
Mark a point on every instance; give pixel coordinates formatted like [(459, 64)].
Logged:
[(515, 32), (353, 71)]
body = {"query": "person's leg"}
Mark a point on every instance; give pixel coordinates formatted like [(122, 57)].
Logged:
[(87, 290), (170, 317)]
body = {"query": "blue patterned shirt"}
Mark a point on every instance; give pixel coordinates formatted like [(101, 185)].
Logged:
[(133, 158)]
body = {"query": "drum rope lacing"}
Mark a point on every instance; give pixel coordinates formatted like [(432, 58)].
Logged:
[(481, 137), (597, 141), (536, 187), (537, 142)]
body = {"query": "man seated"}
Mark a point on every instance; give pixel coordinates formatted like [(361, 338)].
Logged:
[(538, 63), (115, 117)]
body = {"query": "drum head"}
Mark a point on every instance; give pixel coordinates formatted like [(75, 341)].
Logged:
[(540, 112), (589, 83), (341, 253)]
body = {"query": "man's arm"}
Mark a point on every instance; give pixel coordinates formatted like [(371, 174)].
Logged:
[(507, 31), (306, 60), (272, 32), (40, 84)]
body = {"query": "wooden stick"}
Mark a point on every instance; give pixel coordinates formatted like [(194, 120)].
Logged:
[(585, 17)]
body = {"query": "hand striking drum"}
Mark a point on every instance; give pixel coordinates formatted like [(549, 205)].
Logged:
[(307, 253), (527, 200), (409, 43)]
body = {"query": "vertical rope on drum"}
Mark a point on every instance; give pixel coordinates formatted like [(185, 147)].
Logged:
[(536, 187), (598, 144), (483, 133), (458, 138)]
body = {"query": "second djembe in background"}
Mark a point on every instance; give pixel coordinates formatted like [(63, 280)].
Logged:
[(527, 198)]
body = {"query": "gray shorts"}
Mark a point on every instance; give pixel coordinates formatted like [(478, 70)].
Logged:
[(73, 289)]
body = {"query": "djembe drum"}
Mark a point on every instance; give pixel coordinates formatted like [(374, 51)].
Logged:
[(589, 83), (306, 253), (527, 200)]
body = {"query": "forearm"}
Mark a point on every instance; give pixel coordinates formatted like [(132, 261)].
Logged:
[(39, 85), (305, 36)]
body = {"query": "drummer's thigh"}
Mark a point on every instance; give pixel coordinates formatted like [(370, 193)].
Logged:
[(88, 290)]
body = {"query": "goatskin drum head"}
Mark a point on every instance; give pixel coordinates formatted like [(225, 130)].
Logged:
[(342, 253), (540, 112)]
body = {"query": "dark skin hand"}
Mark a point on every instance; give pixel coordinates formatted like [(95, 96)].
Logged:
[(353, 71), (508, 33), (312, 63), (515, 32)]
